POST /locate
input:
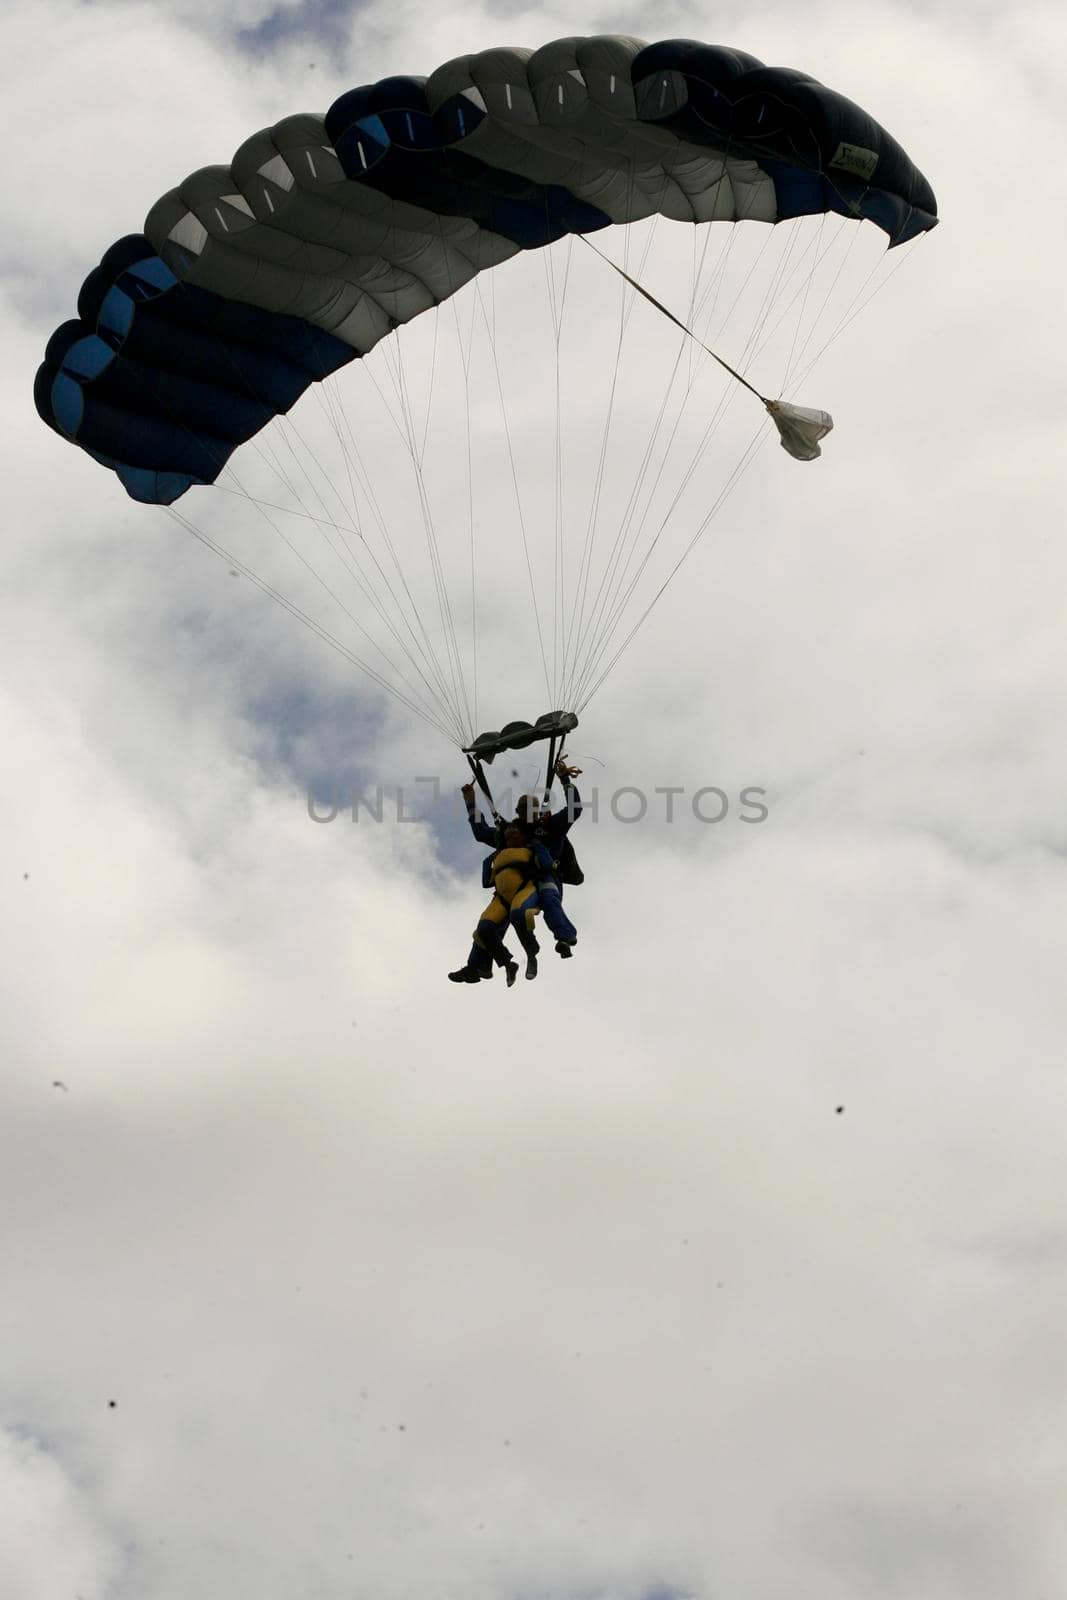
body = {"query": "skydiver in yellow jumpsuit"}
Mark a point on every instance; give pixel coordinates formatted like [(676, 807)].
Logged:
[(515, 901)]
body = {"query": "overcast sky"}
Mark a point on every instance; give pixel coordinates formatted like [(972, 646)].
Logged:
[(727, 1261)]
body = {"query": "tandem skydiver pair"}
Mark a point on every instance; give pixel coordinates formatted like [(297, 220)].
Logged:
[(531, 861)]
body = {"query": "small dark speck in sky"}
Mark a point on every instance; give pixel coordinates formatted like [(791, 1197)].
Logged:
[(112, 1404), (57, 1083), (839, 1109), (25, 877)]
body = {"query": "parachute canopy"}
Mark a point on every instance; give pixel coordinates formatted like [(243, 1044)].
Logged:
[(324, 234), (551, 414)]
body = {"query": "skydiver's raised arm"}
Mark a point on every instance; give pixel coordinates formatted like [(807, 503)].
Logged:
[(572, 808)]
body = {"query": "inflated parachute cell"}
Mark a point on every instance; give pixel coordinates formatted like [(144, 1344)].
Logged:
[(324, 234), (162, 382)]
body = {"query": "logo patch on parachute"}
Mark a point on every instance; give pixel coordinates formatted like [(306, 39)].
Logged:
[(854, 158)]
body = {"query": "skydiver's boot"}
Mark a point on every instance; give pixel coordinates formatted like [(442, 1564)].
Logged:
[(479, 964), (511, 971), (563, 948), (531, 966)]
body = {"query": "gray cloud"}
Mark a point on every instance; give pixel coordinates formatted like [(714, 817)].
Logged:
[(901, 1549), (310, 24)]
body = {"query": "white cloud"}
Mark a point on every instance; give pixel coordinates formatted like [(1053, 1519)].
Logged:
[(55, 1542)]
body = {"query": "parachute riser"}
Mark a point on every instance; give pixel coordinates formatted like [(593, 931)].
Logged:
[(553, 755), (555, 750), (483, 783)]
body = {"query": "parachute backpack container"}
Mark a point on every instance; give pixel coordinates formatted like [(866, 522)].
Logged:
[(367, 364)]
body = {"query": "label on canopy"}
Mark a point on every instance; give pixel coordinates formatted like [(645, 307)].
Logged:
[(854, 158)]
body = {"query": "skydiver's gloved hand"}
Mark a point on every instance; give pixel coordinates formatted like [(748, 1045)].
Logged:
[(563, 772), (467, 792)]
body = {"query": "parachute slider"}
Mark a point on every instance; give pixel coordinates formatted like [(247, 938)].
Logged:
[(800, 428), (518, 735)]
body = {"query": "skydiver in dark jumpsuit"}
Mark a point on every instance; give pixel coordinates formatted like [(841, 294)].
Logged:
[(550, 829)]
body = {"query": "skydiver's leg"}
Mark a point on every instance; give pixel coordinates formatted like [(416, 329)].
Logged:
[(488, 940), (489, 937), (503, 958), (525, 936), (550, 895), (523, 908)]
